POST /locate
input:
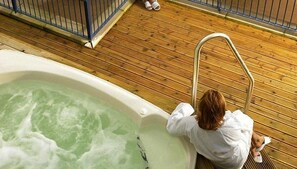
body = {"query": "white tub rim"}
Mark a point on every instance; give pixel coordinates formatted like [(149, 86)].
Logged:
[(15, 62)]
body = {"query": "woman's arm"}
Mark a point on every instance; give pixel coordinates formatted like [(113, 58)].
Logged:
[(179, 120)]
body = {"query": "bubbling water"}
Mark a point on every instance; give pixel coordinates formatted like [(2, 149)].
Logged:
[(46, 125)]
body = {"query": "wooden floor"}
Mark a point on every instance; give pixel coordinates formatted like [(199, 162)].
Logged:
[(151, 54)]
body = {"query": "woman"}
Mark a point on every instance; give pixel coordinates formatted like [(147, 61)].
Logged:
[(223, 137)]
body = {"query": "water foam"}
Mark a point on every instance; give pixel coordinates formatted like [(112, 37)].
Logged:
[(44, 125)]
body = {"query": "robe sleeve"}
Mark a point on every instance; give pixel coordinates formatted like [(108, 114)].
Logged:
[(180, 120), (244, 121)]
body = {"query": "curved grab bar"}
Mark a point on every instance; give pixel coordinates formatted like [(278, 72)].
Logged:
[(238, 57)]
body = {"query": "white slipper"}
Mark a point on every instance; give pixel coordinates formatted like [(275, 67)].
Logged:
[(258, 158), (156, 6), (267, 140), (148, 5)]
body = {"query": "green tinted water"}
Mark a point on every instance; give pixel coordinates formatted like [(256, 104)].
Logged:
[(45, 125)]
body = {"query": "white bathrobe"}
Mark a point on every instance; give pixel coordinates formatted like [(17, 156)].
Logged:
[(227, 147)]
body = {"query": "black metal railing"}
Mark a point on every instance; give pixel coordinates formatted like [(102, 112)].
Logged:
[(6, 4), (279, 13), (84, 18)]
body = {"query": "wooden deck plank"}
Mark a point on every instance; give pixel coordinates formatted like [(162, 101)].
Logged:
[(152, 27), (197, 34), (281, 77), (277, 100), (151, 53), (192, 19)]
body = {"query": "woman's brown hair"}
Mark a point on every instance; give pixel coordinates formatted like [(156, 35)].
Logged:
[(212, 107)]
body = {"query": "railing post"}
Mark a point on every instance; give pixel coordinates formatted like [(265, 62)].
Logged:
[(88, 18), (14, 5), (219, 5)]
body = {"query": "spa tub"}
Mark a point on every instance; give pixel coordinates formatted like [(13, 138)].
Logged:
[(162, 150)]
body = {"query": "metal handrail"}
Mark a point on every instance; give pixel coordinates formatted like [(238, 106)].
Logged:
[(238, 57)]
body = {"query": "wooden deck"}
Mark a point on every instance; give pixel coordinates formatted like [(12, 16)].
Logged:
[(151, 54)]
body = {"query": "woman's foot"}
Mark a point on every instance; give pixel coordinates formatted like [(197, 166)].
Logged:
[(148, 5), (256, 156), (156, 6)]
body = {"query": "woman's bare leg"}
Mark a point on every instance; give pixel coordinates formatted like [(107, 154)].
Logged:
[(257, 141)]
